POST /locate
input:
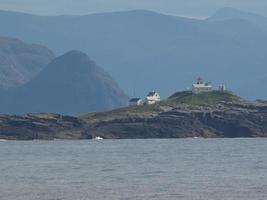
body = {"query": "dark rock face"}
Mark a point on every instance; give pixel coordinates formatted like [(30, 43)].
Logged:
[(20, 62), (71, 84), (227, 121), (167, 119), (41, 126)]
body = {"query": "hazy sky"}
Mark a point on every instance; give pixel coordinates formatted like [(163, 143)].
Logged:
[(196, 8)]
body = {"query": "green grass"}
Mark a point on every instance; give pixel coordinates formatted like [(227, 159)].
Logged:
[(205, 99), (127, 111), (179, 98)]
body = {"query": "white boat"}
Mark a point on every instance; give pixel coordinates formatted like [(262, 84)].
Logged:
[(99, 138)]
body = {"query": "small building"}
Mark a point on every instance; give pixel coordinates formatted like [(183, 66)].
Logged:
[(135, 102), (152, 98), (200, 86)]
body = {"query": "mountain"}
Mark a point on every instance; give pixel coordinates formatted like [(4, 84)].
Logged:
[(144, 50), (232, 13), (20, 62), (70, 84)]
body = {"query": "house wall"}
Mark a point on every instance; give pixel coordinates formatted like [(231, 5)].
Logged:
[(152, 99), (197, 90)]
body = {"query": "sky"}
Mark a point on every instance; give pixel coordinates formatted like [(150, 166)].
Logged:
[(190, 8)]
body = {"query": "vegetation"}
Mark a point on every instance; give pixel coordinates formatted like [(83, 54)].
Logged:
[(180, 98), (205, 99), (127, 111)]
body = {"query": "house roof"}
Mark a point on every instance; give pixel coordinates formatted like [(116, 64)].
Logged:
[(134, 100), (151, 94)]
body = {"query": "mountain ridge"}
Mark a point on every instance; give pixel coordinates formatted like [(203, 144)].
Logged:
[(229, 13), (142, 49), (20, 62), (70, 84)]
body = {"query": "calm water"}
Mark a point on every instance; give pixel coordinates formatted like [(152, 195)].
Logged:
[(134, 169)]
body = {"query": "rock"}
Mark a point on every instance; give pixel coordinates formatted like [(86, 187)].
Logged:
[(42, 126), (225, 115)]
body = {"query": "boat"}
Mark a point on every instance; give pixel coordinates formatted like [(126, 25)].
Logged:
[(99, 138)]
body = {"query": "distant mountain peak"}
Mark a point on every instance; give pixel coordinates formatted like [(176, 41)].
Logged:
[(74, 56), (71, 83), (75, 53), (74, 61), (154, 51), (134, 11), (20, 62), (227, 13)]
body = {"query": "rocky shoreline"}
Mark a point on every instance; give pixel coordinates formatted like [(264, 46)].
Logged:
[(45, 126), (232, 122), (173, 118)]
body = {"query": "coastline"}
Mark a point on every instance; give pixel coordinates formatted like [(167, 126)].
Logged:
[(223, 116)]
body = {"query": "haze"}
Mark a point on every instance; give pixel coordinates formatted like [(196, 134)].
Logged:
[(192, 8)]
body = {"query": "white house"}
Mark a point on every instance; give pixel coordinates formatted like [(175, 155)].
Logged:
[(135, 102), (200, 87), (152, 98)]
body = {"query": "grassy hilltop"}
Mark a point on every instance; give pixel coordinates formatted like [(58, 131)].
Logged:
[(207, 99), (184, 114), (180, 99)]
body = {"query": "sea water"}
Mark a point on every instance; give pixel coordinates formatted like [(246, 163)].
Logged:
[(201, 169)]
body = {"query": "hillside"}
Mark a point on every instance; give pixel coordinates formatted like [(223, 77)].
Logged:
[(138, 48), (20, 62), (209, 115), (205, 99), (215, 114), (70, 84), (185, 100)]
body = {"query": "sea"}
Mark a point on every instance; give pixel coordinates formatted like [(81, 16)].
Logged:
[(151, 169)]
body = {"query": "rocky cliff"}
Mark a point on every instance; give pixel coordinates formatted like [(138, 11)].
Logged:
[(215, 114), (41, 126)]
